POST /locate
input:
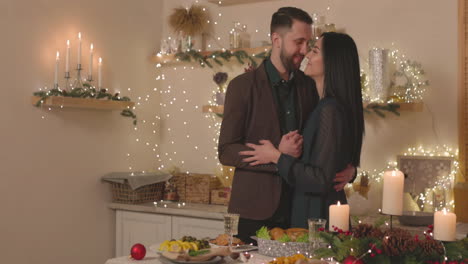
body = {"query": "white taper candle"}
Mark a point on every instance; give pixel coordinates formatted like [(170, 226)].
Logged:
[(57, 59), (79, 48), (100, 74), (67, 57), (90, 70)]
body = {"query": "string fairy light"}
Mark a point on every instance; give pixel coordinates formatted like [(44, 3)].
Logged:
[(444, 181), (410, 73)]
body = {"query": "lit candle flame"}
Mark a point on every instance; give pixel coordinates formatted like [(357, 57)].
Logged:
[(58, 55), (79, 35), (92, 47), (338, 204), (68, 43)]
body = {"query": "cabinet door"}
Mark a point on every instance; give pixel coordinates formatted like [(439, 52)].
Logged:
[(197, 227), (144, 228)]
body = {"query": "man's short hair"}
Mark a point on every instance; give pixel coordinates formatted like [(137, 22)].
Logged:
[(283, 18)]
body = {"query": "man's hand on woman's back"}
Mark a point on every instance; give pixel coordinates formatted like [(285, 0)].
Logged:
[(344, 177)]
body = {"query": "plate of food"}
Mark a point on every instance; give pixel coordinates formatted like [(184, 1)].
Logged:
[(181, 261), (237, 245), (203, 256), (186, 243)]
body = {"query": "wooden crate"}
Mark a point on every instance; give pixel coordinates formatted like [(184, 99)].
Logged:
[(221, 196), (198, 187)]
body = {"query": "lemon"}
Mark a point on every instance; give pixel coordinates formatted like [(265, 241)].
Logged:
[(194, 246), (186, 245), (175, 246), (165, 246)]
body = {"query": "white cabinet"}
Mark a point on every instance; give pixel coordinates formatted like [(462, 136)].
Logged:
[(144, 228), (199, 228), (151, 228)]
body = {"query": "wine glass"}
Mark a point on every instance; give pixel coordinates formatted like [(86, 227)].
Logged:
[(315, 224), (231, 221)]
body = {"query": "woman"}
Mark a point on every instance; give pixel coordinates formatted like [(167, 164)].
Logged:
[(332, 136)]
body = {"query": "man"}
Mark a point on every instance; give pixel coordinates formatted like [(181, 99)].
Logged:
[(267, 103)]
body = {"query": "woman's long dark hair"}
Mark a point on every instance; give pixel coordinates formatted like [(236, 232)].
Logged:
[(342, 81)]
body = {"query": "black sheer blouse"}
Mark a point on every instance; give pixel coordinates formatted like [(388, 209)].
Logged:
[(326, 151)]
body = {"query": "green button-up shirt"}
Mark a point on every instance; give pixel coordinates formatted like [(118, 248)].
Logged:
[(284, 94)]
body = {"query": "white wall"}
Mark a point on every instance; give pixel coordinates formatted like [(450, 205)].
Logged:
[(54, 207), (426, 31), (53, 204)]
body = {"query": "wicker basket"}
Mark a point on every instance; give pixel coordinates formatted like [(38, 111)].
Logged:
[(198, 187), (180, 180), (122, 193)]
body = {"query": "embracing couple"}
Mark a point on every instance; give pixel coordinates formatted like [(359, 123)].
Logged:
[(294, 136)]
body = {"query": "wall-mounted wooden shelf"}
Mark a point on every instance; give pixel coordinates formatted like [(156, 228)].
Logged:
[(170, 58), (407, 107), (83, 103), (236, 2), (217, 109)]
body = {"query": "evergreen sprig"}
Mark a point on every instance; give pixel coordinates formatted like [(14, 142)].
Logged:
[(369, 249), (87, 92)]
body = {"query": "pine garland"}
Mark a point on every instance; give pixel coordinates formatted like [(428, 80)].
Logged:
[(219, 57), (377, 109), (371, 249), (87, 92)]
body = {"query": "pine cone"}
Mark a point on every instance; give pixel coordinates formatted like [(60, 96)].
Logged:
[(431, 246), (397, 242), (366, 230), (377, 233), (362, 230)]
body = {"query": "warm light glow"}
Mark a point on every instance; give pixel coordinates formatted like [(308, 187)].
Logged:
[(58, 56), (79, 35), (68, 43), (92, 47)]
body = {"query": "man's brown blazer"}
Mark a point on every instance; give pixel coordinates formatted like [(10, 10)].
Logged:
[(250, 115)]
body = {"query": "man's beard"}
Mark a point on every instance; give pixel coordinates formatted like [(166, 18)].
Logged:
[(287, 61)]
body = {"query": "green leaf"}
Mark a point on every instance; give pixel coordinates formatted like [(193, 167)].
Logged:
[(285, 238), (304, 238), (263, 233), (198, 252)]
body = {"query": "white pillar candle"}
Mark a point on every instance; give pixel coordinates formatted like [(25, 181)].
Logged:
[(90, 70), (444, 225), (67, 57), (392, 201), (100, 73), (57, 59), (79, 48), (339, 216)]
